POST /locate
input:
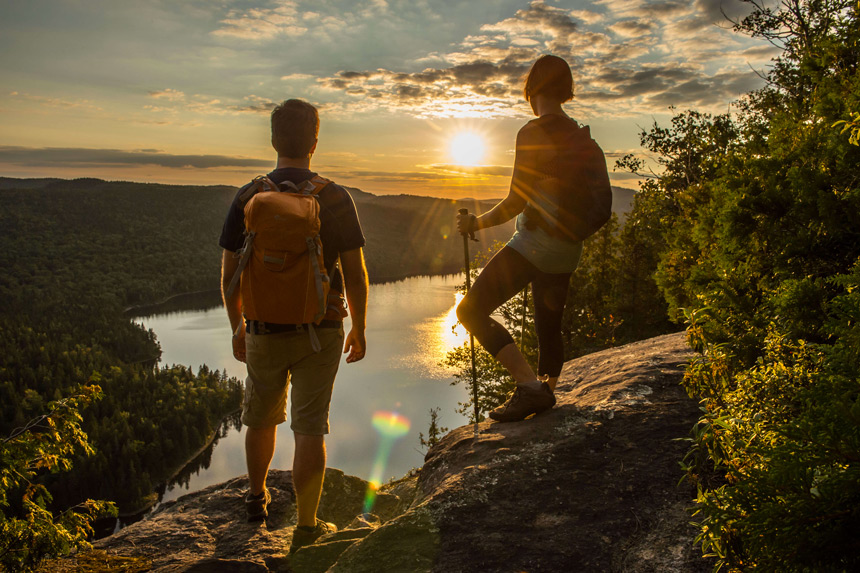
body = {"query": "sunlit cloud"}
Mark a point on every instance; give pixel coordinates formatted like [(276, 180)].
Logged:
[(173, 101), (297, 77), (493, 170), (262, 23), (55, 102), (168, 94), (641, 57)]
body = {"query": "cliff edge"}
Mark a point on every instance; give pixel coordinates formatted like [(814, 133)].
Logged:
[(592, 485)]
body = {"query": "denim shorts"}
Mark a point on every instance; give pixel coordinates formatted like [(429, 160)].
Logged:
[(280, 360)]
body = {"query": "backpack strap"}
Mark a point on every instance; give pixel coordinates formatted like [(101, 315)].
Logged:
[(260, 183), (316, 184), (244, 254)]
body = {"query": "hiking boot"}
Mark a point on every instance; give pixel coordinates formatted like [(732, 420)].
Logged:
[(304, 535), (523, 403), (256, 505)]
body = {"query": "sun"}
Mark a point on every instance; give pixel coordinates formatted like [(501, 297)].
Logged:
[(467, 148)]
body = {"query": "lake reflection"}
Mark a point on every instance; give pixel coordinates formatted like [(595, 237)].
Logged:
[(410, 327)]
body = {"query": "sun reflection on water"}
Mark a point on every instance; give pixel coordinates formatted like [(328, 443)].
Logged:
[(451, 333), (436, 337)]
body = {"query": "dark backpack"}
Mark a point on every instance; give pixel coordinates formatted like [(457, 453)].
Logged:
[(575, 188)]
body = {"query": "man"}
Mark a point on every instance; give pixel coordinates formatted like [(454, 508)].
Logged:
[(279, 356)]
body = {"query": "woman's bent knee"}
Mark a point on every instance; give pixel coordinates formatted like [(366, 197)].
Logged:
[(466, 314)]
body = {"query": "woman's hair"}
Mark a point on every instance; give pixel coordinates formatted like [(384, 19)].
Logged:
[(295, 126), (550, 76)]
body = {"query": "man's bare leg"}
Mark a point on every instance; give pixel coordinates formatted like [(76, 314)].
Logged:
[(308, 474), (259, 451)]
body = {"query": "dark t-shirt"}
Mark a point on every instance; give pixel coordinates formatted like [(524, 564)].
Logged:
[(340, 230)]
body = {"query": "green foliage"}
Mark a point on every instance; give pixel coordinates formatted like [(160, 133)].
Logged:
[(852, 126), (29, 531), (761, 256)]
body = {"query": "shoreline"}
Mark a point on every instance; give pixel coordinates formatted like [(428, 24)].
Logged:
[(147, 508), (134, 311)]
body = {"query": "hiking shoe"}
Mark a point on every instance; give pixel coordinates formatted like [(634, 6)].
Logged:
[(304, 535), (524, 402), (256, 505)]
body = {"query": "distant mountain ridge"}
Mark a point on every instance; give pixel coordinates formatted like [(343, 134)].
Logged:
[(407, 235)]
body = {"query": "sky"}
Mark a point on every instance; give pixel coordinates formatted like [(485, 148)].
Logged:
[(180, 91)]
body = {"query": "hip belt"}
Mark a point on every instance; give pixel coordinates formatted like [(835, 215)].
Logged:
[(260, 327)]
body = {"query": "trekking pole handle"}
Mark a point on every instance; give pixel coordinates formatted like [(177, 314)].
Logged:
[(470, 233)]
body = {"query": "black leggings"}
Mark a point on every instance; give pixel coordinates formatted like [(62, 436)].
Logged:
[(507, 273)]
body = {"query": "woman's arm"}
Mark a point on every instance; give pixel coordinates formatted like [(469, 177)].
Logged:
[(515, 202)]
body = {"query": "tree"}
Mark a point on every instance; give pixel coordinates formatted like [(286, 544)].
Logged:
[(434, 431), (29, 532)]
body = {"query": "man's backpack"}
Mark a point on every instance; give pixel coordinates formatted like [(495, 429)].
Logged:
[(283, 277), (576, 188)]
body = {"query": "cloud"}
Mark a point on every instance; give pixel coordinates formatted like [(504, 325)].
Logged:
[(168, 94), (393, 176), (262, 23), (71, 157), (492, 170), (297, 77), (173, 101), (634, 57), (45, 101), (634, 27)]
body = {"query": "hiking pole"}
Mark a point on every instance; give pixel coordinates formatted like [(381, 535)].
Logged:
[(523, 323), (466, 237)]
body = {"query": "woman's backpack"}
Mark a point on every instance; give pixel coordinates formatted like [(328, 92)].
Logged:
[(573, 196)]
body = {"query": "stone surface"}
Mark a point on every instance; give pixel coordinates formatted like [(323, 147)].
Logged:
[(591, 485)]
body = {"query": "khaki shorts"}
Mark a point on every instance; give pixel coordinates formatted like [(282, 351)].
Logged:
[(275, 361)]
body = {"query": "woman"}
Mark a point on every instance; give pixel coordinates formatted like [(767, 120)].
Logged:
[(542, 252)]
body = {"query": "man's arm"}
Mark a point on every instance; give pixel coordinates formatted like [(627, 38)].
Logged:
[(233, 303), (356, 284)]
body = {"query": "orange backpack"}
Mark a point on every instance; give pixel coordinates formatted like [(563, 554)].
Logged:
[(283, 277)]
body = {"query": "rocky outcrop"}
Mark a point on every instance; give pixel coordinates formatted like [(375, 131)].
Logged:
[(591, 485)]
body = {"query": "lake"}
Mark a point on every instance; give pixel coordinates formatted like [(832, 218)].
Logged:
[(411, 325)]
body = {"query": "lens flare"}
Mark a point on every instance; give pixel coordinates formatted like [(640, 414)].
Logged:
[(390, 426)]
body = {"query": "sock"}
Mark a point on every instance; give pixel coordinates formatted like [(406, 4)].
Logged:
[(534, 385)]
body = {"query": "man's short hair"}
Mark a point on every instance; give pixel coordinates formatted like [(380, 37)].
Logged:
[(550, 76), (295, 127)]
